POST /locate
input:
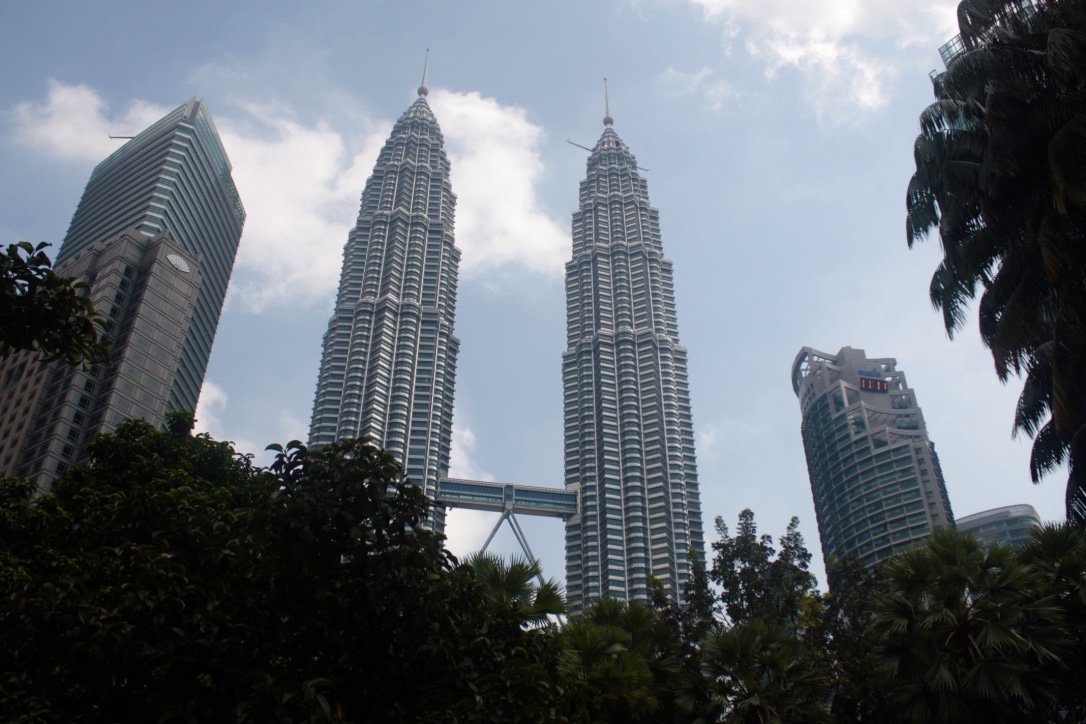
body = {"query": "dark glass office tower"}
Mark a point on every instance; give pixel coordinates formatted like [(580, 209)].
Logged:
[(173, 177), (154, 237), (629, 439), (388, 369)]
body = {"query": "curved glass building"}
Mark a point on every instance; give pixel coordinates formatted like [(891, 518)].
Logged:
[(388, 366), (629, 439), (877, 485), (1009, 524)]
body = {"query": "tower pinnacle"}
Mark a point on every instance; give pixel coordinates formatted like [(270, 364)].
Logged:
[(425, 67), (607, 120)]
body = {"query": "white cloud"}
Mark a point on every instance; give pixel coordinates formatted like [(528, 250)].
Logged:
[(462, 462), (300, 187), (466, 530), (706, 439), (673, 83), (496, 168), (71, 123), (846, 49), (210, 418), (301, 183), (208, 410)]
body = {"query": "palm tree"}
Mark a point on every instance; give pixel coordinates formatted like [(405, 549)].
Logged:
[(1001, 174), (759, 672), (1057, 553), (512, 583), (613, 683), (968, 633)]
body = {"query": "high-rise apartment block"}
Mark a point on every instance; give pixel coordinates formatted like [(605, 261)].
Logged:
[(877, 485), (154, 237), (388, 368), (629, 440)]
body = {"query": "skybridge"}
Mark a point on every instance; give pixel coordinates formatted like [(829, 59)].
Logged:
[(507, 499)]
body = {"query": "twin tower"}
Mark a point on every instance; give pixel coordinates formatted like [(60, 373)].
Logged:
[(388, 368)]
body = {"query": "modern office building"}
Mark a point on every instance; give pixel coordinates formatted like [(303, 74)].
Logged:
[(148, 287), (875, 477), (629, 440), (175, 177), (1009, 524), (388, 368), (154, 236)]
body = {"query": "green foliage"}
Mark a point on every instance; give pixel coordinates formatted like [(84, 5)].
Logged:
[(841, 641), (171, 580), (1057, 556), (757, 581), (759, 672), (511, 583), (969, 632), (691, 621), (999, 174), (765, 661), (42, 311), (620, 661)]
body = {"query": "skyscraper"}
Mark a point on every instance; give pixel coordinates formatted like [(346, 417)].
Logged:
[(154, 237), (629, 440), (876, 480), (175, 177), (388, 367)]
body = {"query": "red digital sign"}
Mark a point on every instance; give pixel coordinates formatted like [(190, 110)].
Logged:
[(874, 385)]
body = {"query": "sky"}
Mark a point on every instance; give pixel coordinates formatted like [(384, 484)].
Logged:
[(778, 137)]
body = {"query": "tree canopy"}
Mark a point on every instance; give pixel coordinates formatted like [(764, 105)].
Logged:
[(40, 310), (172, 580), (970, 631), (1001, 176)]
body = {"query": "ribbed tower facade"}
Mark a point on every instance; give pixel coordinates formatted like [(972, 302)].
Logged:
[(629, 439), (877, 484), (388, 368)]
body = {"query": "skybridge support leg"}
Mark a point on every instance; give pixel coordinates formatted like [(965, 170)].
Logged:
[(505, 513), (518, 532)]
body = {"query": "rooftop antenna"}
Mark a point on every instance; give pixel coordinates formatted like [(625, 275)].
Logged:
[(607, 120), (425, 67)]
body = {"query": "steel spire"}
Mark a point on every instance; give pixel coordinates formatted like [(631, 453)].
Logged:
[(425, 67), (607, 120)]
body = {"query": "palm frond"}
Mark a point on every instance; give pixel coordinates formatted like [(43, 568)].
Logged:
[(1067, 160), (951, 297), (1034, 404), (1066, 55), (1048, 453), (1076, 483)]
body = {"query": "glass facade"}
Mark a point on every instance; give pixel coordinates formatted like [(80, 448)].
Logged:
[(174, 177), (154, 237), (629, 440), (1010, 524), (147, 288), (388, 367), (875, 477)]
